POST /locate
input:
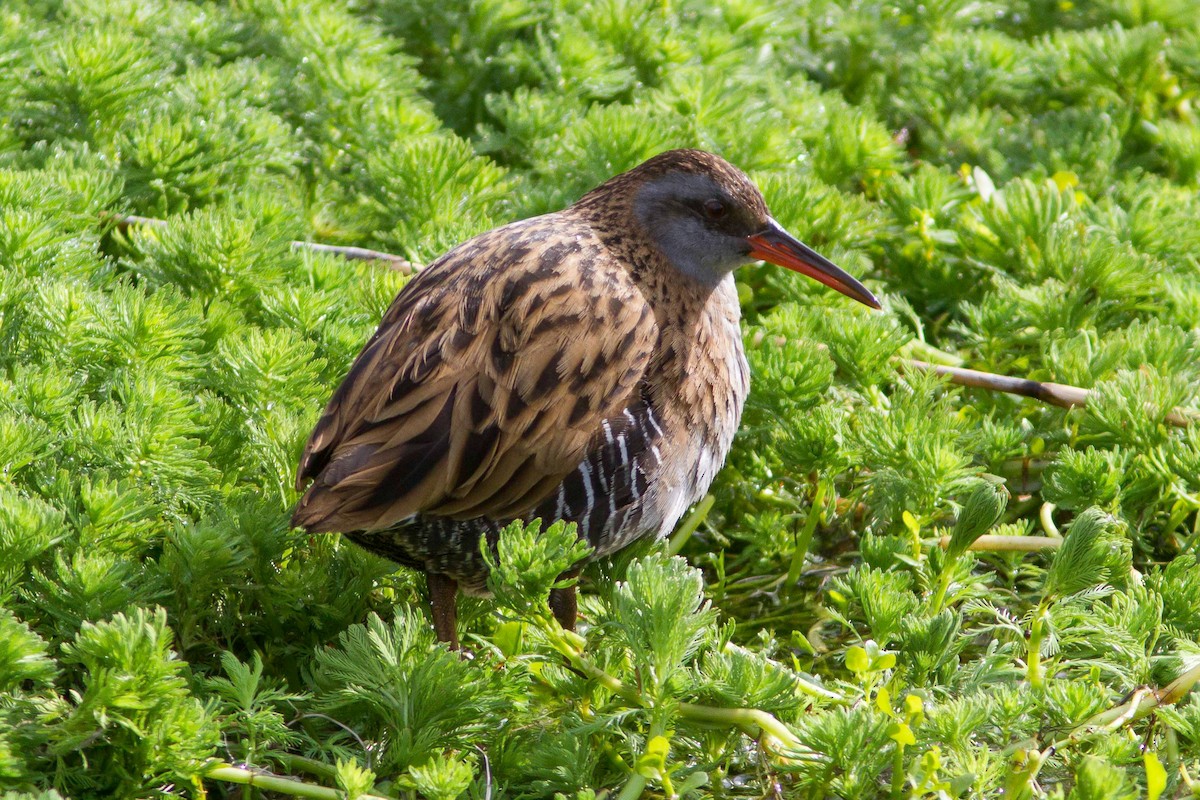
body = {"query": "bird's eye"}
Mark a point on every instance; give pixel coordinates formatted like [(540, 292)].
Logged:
[(714, 208)]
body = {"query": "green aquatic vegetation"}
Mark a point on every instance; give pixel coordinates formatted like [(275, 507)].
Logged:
[(899, 588)]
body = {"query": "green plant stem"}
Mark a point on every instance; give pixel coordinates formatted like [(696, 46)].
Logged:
[(1184, 776), (1179, 688), (991, 543), (809, 688), (638, 781), (1138, 705), (657, 728), (927, 353), (690, 524), (1046, 516), (1033, 656), (943, 585), (804, 538), (277, 783), (1020, 778), (1179, 512), (749, 720), (898, 771), (575, 657), (692, 782), (295, 763), (633, 788)]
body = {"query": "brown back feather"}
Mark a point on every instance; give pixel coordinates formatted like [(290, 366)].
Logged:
[(487, 378)]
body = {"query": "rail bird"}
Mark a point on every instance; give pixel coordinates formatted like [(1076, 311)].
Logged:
[(584, 365)]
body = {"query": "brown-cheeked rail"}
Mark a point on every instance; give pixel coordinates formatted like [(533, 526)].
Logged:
[(585, 365)]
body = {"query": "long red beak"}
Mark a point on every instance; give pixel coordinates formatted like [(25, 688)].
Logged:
[(777, 246)]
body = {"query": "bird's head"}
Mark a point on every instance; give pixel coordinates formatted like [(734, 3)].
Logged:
[(707, 219)]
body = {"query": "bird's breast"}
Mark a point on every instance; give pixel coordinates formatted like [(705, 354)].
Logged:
[(702, 404), (662, 453)]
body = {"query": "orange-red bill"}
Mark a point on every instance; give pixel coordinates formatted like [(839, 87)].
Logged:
[(777, 246)]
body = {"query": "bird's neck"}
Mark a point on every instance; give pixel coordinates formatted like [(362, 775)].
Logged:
[(697, 320), (700, 350)]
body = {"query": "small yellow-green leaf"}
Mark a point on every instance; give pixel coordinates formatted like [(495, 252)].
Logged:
[(653, 761), (1156, 776), (509, 636), (1065, 180), (901, 734), (857, 660), (883, 701), (931, 762), (659, 746)]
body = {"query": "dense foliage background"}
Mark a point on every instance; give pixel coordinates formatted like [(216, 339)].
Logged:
[(1018, 179)]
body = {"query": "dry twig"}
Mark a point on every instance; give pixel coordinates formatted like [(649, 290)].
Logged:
[(1058, 394)]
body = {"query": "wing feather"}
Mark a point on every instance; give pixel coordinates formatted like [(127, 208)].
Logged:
[(484, 384)]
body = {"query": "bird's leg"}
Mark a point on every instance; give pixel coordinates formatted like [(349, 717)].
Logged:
[(563, 602), (443, 597), (565, 606)]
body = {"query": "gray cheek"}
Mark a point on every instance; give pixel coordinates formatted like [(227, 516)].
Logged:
[(700, 253)]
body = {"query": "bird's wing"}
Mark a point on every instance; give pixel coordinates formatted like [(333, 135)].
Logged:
[(480, 391)]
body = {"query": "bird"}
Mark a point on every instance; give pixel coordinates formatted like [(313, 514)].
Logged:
[(585, 365)]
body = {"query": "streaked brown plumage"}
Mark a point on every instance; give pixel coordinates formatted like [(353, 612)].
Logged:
[(584, 365)]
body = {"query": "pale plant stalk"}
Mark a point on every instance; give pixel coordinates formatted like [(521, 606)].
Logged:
[(777, 737), (991, 543), (1139, 704), (1046, 516), (278, 784)]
